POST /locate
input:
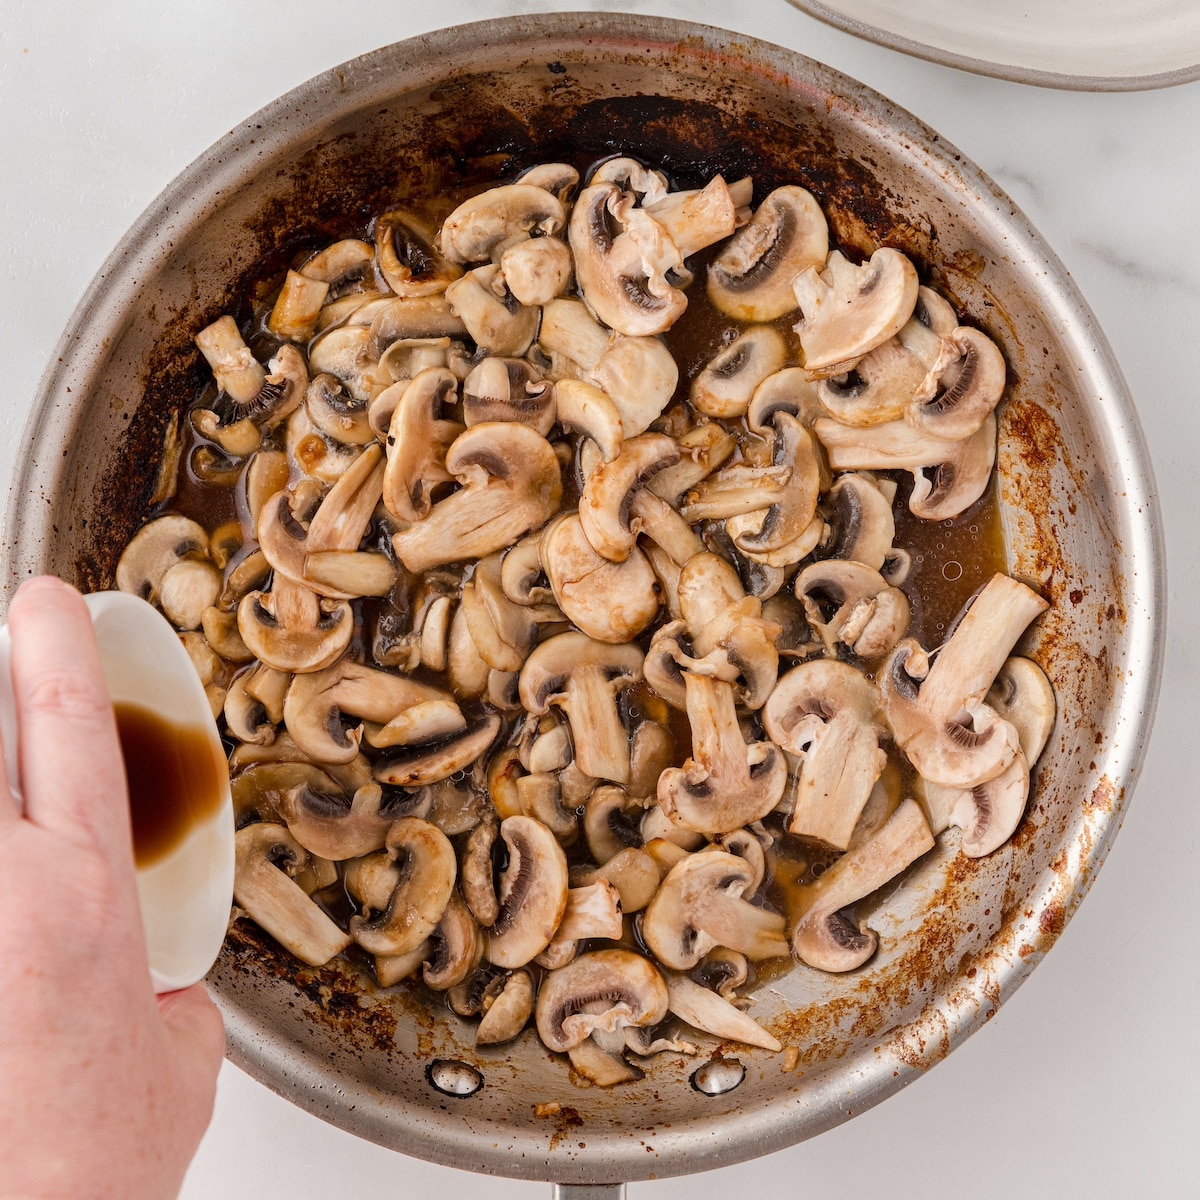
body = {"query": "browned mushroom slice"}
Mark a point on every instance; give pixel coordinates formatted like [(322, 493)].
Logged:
[(457, 947), (297, 307), (508, 1013), (537, 269), (828, 713), (751, 278), (968, 390), (508, 389), (291, 629), (333, 825), (700, 904), (511, 484), (316, 702), (154, 550), (532, 895), (407, 257), (726, 783), (425, 883), (823, 936), (582, 677), (415, 766), (267, 855), (237, 371)]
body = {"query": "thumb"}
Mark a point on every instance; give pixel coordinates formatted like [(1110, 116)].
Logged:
[(196, 1025)]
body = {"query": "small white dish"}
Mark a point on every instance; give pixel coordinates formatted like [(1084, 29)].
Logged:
[(186, 893), (1083, 45)]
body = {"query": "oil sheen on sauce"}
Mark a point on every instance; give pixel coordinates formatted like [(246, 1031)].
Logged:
[(174, 780)]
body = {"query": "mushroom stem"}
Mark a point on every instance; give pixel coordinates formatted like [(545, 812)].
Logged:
[(604, 750)]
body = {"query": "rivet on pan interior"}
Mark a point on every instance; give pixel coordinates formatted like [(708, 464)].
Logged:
[(454, 1078), (718, 1077)]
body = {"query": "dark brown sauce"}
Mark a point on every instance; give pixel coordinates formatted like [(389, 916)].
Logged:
[(174, 780)]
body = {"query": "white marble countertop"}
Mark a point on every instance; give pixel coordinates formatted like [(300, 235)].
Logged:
[(1086, 1082)]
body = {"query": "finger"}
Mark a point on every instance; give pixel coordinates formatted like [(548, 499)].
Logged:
[(196, 1023), (72, 773)]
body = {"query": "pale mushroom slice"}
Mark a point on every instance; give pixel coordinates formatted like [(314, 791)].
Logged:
[(290, 628), (511, 484), (830, 715), (698, 217), (702, 449), (426, 872), (350, 355), (966, 391), (846, 601), (726, 783), (585, 408), (495, 320), (823, 937), (860, 524), (415, 766), (497, 216), (604, 506), (847, 310), (592, 911), (989, 813), (336, 413), (751, 278), (582, 677), (266, 858), (532, 894), (638, 374), (604, 992), (727, 382), (316, 702), (456, 947), (709, 1012), (238, 373), (154, 550), (537, 269), (186, 590), (333, 825), (948, 477), (701, 903), (631, 871), (937, 712)]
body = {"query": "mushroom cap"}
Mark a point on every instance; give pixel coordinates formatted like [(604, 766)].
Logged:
[(848, 310), (407, 257), (532, 894), (751, 279), (508, 389), (512, 483), (700, 905), (537, 269), (493, 317), (605, 990)]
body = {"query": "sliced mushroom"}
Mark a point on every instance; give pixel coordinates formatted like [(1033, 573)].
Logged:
[(339, 260), (297, 307), (631, 871), (511, 484), (969, 389), (457, 947), (726, 385), (606, 990), (582, 677), (494, 318), (418, 439), (425, 882), (333, 825), (861, 526), (508, 389), (338, 414), (478, 225), (726, 783), (237, 372), (751, 278), (937, 713), (848, 602), (317, 701), (537, 269), (586, 408), (848, 310), (407, 258), (701, 904), (828, 713), (475, 874), (608, 491), (823, 936), (186, 590), (611, 602), (266, 858), (154, 550), (291, 629), (508, 1013), (593, 911), (532, 895), (948, 477), (711, 1013)]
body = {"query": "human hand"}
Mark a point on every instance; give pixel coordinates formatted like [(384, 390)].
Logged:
[(105, 1090)]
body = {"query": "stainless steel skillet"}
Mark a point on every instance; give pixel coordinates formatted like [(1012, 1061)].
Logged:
[(958, 937)]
